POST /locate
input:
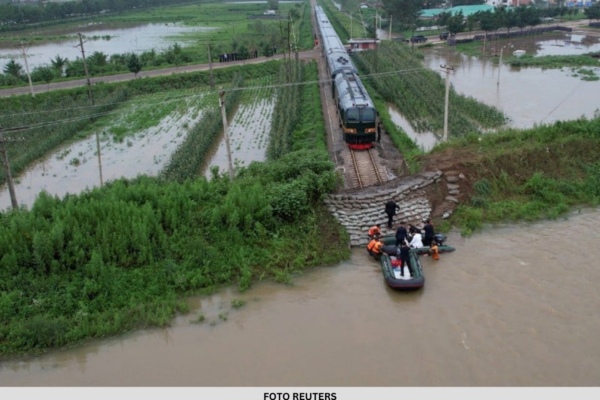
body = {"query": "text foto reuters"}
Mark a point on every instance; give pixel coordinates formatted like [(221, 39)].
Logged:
[(300, 396)]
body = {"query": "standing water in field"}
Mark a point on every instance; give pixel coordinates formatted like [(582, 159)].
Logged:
[(248, 131), (107, 38), (528, 96), (144, 150)]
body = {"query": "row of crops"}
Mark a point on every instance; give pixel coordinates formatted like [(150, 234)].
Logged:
[(53, 119), (249, 129), (287, 109), (189, 157), (340, 21), (419, 93)]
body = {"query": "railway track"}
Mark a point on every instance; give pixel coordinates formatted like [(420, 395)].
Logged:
[(366, 168)]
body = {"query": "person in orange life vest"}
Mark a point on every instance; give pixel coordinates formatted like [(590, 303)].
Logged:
[(434, 250), (374, 248), (375, 232)]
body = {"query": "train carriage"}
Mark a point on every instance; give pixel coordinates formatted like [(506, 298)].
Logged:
[(355, 108)]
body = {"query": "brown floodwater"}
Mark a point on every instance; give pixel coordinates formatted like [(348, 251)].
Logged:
[(515, 305)]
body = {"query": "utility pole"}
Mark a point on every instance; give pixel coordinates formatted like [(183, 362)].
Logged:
[(212, 81), (23, 48), (390, 34), (9, 180), (224, 116), (446, 69), (375, 52), (91, 96), (87, 76), (289, 44), (499, 67)]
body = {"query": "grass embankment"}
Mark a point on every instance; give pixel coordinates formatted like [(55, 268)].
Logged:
[(529, 175), (123, 256)]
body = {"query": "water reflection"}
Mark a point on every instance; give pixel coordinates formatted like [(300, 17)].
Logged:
[(528, 96), (108, 38), (425, 140)]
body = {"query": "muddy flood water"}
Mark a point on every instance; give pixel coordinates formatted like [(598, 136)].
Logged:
[(514, 306)]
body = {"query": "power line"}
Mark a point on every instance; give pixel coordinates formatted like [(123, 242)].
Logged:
[(209, 92)]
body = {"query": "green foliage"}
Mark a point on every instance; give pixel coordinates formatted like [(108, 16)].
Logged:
[(287, 109), (134, 64), (237, 303), (199, 319), (309, 132), (115, 258), (546, 62), (541, 172), (483, 187)]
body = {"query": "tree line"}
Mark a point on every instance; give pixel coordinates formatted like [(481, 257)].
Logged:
[(509, 18), (406, 13), (20, 14)]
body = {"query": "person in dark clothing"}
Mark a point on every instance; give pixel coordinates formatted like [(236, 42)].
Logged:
[(429, 233), (379, 131), (403, 253), (413, 229), (401, 234), (390, 210)]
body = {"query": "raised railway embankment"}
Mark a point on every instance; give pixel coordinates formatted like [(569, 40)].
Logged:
[(414, 194)]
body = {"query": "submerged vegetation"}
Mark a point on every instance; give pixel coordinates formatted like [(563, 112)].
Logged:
[(398, 76)]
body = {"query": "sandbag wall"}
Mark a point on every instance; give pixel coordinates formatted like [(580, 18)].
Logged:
[(358, 212)]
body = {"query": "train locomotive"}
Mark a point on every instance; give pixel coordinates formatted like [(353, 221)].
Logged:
[(356, 112)]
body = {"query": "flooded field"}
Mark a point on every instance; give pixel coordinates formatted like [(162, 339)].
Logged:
[(140, 137), (108, 38), (248, 131), (528, 96), (75, 167)]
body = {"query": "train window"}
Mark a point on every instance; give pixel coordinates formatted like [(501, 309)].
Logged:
[(352, 114), (368, 115)]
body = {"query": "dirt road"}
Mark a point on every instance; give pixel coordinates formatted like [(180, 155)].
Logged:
[(302, 55)]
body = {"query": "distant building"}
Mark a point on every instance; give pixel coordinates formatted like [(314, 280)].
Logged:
[(508, 3), (362, 44), (432, 13), (270, 12)]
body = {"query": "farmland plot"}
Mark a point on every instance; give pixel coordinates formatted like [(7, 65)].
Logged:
[(136, 139), (249, 129)]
